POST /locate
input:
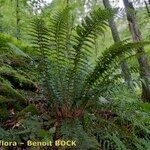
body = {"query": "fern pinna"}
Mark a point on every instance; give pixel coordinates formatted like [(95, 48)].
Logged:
[(71, 84)]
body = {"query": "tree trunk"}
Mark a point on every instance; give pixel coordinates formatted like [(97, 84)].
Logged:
[(17, 20), (124, 66), (144, 67), (148, 11)]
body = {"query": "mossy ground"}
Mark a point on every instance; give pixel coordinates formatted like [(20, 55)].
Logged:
[(15, 79)]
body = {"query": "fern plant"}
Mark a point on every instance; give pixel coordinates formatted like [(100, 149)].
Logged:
[(72, 86)]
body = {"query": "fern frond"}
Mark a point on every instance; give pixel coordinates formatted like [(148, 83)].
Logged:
[(60, 33), (53, 43), (40, 39), (110, 56), (91, 27)]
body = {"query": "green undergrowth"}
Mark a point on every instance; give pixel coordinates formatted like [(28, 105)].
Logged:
[(29, 109), (15, 77), (8, 91)]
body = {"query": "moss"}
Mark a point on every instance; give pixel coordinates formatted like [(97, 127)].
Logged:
[(25, 83), (7, 70), (29, 109), (16, 75), (3, 99), (4, 114), (7, 91), (16, 79), (7, 40), (16, 61), (13, 102)]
